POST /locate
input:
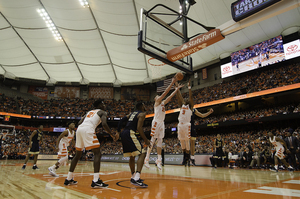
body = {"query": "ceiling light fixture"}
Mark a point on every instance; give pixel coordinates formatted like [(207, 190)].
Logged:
[(84, 3), (49, 24)]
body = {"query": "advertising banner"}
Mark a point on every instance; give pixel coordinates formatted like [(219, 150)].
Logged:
[(226, 70), (195, 44), (292, 49), (41, 92), (67, 92)]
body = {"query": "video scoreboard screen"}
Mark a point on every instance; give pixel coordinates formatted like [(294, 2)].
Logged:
[(256, 56)]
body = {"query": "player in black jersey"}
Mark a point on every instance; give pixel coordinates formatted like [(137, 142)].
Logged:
[(193, 131), (131, 145), (218, 145), (34, 147)]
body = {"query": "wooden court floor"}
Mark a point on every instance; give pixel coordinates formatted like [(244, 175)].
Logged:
[(172, 182)]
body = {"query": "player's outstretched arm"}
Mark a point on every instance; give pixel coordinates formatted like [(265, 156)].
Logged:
[(141, 118), (191, 95), (172, 95), (203, 115), (179, 96), (160, 98)]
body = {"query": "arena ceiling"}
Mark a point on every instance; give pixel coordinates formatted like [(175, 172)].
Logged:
[(99, 42)]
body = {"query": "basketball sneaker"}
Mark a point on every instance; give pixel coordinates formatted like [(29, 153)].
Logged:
[(146, 163), (24, 166), (158, 164), (52, 172), (70, 182), (34, 167), (98, 184), (193, 162), (131, 180), (290, 168), (138, 183), (274, 169)]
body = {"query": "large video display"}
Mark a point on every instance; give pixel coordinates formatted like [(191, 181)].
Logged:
[(259, 55)]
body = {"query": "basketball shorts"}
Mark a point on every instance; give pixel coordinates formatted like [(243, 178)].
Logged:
[(86, 138), (279, 152), (35, 148), (62, 150), (184, 131), (219, 152), (158, 129), (131, 145)]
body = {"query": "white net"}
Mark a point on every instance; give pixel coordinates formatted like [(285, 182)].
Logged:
[(7, 129), (155, 67)]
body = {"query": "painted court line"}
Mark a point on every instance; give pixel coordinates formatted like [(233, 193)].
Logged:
[(275, 191), (293, 182)]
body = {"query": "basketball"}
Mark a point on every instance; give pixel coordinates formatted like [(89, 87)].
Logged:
[(179, 76)]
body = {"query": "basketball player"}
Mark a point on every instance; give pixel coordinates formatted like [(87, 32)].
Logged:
[(184, 125), (218, 145), (131, 145), (86, 138), (193, 131), (158, 126), (62, 144), (279, 145), (237, 66), (34, 147)]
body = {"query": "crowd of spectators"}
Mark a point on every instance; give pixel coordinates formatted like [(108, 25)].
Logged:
[(257, 113), (255, 150), (258, 81), (73, 107), (18, 143), (16, 146)]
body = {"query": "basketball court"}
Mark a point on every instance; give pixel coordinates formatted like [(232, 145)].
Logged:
[(171, 182)]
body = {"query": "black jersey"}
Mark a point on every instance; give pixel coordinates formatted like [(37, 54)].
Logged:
[(133, 121), (36, 138), (219, 143)]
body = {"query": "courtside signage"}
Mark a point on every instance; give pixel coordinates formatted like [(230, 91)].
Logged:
[(242, 9), (194, 45), (292, 49)]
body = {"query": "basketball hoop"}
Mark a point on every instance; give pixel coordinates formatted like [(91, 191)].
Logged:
[(4, 136), (7, 130), (156, 67)]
